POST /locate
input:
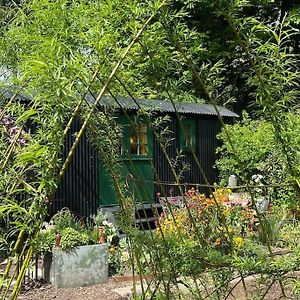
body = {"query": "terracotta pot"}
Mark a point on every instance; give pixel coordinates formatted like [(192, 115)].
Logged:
[(101, 238), (57, 240)]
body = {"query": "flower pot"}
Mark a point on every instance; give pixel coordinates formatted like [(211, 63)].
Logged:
[(101, 237)]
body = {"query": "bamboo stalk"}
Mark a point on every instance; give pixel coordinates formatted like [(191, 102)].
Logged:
[(14, 272), (17, 285), (114, 71), (9, 263), (11, 148), (80, 133)]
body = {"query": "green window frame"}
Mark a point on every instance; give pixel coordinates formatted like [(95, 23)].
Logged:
[(187, 135)]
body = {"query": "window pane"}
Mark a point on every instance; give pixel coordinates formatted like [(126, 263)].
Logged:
[(143, 139), (138, 140), (143, 149), (133, 143), (187, 135)]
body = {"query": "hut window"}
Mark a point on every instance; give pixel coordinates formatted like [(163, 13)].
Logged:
[(138, 140), (187, 135)]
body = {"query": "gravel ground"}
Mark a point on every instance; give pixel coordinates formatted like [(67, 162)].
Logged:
[(122, 291), (109, 291), (116, 290)]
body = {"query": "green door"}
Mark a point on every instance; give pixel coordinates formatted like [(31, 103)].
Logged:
[(136, 169)]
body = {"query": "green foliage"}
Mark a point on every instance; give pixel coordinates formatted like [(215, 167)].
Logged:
[(119, 258), (275, 221), (64, 219), (73, 233), (235, 49), (289, 235), (254, 143), (213, 232), (44, 242), (257, 149), (71, 238)]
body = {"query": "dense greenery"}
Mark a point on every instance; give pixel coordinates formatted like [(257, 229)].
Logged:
[(67, 42), (258, 150), (198, 50)]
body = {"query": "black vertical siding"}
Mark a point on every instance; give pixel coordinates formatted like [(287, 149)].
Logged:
[(79, 188), (207, 128), (163, 168)]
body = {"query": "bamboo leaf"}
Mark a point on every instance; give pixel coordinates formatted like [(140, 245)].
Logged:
[(26, 115)]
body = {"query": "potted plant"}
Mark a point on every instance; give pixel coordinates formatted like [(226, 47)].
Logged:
[(72, 253)]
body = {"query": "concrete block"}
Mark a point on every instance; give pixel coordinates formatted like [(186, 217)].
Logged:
[(82, 266)]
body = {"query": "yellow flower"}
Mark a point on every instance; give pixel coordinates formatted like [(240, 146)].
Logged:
[(112, 250), (238, 242)]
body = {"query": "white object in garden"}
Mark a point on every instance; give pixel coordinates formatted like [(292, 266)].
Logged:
[(232, 181), (257, 178), (262, 204)]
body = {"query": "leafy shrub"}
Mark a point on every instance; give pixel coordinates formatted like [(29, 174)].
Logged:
[(256, 147), (254, 144), (72, 232), (259, 153), (71, 238), (205, 227), (44, 241), (118, 258), (275, 221), (64, 219), (289, 235)]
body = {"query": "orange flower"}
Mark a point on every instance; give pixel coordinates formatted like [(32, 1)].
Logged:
[(218, 242)]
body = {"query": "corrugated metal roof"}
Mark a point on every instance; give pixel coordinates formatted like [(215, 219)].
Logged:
[(162, 106), (149, 105), (12, 93)]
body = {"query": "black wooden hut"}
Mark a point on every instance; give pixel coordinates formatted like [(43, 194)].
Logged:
[(192, 130), (86, 186)]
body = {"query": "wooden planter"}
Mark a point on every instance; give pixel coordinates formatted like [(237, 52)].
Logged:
[(82, 266)]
